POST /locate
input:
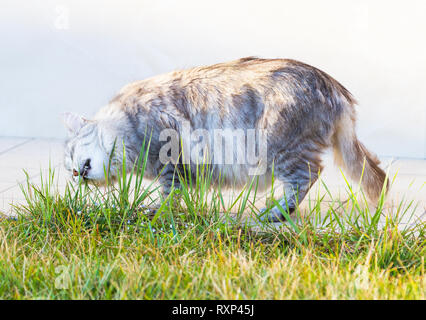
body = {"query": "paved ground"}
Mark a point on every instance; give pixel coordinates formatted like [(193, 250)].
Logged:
[(34, 156)]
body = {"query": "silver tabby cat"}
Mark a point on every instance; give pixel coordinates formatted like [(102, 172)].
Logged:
[(302, 111)]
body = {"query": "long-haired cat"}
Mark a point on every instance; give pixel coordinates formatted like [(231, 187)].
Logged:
[(297, 109)]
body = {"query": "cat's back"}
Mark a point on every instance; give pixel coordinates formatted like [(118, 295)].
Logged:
[(244, 88), (234, 74)]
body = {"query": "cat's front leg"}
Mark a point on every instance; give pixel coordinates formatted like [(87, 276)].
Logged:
[(169, 179)]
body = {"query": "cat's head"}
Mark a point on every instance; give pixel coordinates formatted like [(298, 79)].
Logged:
[(88, 150)]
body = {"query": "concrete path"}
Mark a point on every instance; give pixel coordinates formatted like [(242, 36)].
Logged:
[(35, 155)]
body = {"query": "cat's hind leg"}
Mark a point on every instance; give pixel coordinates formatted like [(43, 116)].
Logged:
[(297, 174)]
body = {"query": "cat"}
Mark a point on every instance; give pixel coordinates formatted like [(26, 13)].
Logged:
[(299, 110)]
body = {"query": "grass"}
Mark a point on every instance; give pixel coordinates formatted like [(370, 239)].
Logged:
[(106, 243)]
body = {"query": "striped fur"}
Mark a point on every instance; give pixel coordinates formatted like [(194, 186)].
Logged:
[(303, 110)]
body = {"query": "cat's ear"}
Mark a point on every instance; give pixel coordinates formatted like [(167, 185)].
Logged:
[(72, 121)]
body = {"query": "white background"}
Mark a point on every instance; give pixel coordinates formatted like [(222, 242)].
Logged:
[(58, 56)]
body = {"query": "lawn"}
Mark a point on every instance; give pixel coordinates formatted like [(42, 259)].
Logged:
[(106, 243)]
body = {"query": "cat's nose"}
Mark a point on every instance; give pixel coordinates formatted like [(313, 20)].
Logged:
[(83, 171)]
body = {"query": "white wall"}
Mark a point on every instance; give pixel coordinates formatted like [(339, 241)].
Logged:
[(74, 55)]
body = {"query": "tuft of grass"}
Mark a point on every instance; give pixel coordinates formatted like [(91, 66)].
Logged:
[(123, 241)]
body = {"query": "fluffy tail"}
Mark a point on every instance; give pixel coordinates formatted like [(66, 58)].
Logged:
[(356, 160)]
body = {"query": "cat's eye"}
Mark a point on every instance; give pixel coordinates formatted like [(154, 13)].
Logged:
[(87, 164)]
